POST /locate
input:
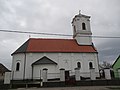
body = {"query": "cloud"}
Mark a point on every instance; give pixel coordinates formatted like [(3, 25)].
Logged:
[(51, 16)]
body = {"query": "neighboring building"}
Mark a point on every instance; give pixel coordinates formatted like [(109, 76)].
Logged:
[(116, 67), (3, 69), (36, 54)]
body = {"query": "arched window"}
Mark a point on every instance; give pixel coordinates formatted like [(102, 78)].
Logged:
[(17, 66), (78, 65), (90, 65), (83, 26)]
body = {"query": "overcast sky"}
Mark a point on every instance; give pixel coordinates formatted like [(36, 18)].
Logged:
[(55, 16)]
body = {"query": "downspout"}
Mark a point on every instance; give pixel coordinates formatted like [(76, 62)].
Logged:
[(13, 68), (24, 66), (98, 63), (32, 72)]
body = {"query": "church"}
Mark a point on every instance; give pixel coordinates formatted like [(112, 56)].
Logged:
[(36, 54)]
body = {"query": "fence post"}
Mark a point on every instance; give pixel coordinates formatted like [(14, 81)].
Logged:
[(7, 78), (77, 74), (92, 74), (62, 74), (107, 73), (44, 74)]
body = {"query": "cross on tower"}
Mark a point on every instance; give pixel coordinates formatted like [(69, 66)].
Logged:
[(79, 12)]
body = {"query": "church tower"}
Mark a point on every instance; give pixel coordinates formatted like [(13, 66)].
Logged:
[(81, 29)]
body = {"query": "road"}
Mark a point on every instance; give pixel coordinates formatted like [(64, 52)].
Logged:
[(74, 88)]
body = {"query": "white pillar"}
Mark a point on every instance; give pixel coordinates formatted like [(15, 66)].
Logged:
[(7, 78), (77, 74), (107, 73), (92, 74), (44, 74), (62, 74)]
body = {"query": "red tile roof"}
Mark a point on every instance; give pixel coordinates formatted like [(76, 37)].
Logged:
[(54, 45)]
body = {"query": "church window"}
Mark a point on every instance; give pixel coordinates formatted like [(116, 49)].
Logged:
[(90, 65), (78, 65), (83, 26), (17, 66)]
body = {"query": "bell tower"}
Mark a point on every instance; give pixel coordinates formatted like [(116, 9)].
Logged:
[(81, 29)]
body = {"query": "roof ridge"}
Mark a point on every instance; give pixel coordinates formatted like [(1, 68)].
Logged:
[(49, 39), (116, 60)]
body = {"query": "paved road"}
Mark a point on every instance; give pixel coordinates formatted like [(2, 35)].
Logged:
[(74, 88)]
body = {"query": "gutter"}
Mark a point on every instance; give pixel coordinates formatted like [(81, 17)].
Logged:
[(24, 71)]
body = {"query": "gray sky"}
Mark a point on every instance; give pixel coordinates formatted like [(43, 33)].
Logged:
[(55, 16)]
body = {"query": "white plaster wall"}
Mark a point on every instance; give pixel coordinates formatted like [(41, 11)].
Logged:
[(32, 57), (52, 69), (85, 58), (64, 60), (18, 58), (81, 40)]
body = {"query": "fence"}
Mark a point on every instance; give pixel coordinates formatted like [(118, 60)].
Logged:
[(102, 81)]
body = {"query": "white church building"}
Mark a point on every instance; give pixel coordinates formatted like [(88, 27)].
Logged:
[(36, 54)]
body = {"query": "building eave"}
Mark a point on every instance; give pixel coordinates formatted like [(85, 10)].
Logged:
[(116, 61)]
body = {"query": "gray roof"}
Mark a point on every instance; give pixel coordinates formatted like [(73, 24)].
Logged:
[(44, 60), (22, 48), (3, 69)]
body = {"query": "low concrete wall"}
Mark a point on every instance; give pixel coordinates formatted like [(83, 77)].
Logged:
[(4, 86), (26, 84), (83, 83), (98, 83)]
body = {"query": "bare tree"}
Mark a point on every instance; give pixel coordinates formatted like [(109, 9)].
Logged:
[(105, 64)]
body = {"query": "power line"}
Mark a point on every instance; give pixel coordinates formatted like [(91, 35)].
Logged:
[(23, 32), (34, 33)]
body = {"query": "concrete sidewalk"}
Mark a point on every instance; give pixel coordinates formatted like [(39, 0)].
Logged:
[(74, 88)]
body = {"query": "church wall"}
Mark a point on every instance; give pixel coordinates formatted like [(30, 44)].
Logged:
[(37, 71), (18, 74), (68, 61), (64, 60), (81, 40), (84, 59), (32, 57)]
